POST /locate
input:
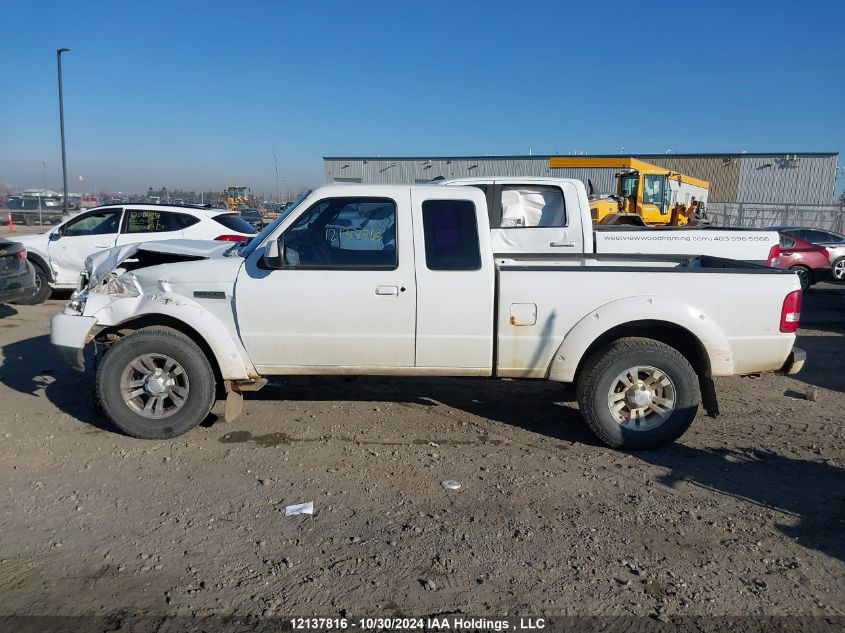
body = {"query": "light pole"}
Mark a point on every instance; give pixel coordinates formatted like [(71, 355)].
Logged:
[(276, 164), (62, 126), (43, 193)]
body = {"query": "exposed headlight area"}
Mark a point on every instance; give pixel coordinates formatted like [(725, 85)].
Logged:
[(78, 300), (121, 285)]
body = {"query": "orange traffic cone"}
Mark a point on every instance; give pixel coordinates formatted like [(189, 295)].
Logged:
[(11, 224)]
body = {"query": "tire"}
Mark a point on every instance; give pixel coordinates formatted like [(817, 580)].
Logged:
[(129, 361), (42, 288), (675, 382), (838, 269), (805, 276)]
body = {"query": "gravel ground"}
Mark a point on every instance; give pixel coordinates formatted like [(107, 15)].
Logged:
[(744, 516)]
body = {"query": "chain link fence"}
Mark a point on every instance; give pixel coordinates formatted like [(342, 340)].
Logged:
[(830, 217)]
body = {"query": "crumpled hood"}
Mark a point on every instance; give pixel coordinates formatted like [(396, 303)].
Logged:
[(100, 264)]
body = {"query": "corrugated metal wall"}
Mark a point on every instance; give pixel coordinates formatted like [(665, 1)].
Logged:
[(797, 180), (758, 178), (751, 215)]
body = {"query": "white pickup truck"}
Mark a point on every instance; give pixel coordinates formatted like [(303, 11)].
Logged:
[(552, 216), (402, 280)]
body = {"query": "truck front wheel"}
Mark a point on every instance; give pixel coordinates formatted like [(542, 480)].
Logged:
[(155, 384), (638, 393)]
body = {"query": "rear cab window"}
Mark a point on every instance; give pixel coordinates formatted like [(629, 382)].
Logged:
[(531, 206), (451, 235)]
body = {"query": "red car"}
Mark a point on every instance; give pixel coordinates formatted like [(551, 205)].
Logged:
[(811, 262)]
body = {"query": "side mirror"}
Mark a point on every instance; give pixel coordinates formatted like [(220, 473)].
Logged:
[(274, 254), (56, 234)]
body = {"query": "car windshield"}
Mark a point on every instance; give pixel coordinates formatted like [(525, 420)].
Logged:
[(250, 246)]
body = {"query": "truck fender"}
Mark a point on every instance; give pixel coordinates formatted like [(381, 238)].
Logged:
[(654, 308), (230, 355)]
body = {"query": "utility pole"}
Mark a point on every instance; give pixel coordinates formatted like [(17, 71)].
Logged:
[(43, 191), (62, 126), (276, 164)]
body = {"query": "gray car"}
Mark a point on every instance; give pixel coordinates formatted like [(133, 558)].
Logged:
[(17, 278), (252, 217)]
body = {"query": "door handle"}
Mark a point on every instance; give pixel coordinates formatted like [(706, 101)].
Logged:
[(554, 244), (387, 290), (101, 246)]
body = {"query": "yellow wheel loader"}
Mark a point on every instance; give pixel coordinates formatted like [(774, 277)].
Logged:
[(236, 196), (645, 194)]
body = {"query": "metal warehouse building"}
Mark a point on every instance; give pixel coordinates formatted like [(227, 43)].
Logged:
[(773, 178)]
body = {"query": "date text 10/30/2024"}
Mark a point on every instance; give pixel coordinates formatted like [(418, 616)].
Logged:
[(411, 624)]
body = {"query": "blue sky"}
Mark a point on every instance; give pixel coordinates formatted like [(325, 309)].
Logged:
[(196, 94)]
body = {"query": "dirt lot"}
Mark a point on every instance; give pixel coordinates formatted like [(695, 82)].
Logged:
[(744, 516)]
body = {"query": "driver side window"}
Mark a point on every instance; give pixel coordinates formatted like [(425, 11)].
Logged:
[(344, 233), (97, 223)]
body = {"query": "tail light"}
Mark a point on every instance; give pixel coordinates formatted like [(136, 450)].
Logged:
[(774, 256), (826, 253), (22, 255), (231, 238), (790, 313)]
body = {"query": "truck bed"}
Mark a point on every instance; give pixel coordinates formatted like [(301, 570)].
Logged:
[(737, 318), (620, 262)]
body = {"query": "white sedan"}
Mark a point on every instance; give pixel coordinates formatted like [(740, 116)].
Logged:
[(58, 256)]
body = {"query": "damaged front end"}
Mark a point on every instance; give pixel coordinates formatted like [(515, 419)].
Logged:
[(128, 257), (127, 282), (109, 272)]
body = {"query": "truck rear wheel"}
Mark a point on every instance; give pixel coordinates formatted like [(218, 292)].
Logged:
[(638, 393), (155, 384), (42, 288)]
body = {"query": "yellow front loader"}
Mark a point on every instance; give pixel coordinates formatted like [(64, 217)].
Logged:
[(645, 193), (236, 196)]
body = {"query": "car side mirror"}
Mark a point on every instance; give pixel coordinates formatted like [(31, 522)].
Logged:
[(274, 254), (56, 234)]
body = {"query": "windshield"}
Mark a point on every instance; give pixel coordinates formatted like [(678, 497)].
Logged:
[(250, 246)]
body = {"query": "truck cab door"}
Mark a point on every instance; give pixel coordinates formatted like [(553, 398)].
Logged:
[(535, 218), (79, 237), (455, 282), (344, 300)]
